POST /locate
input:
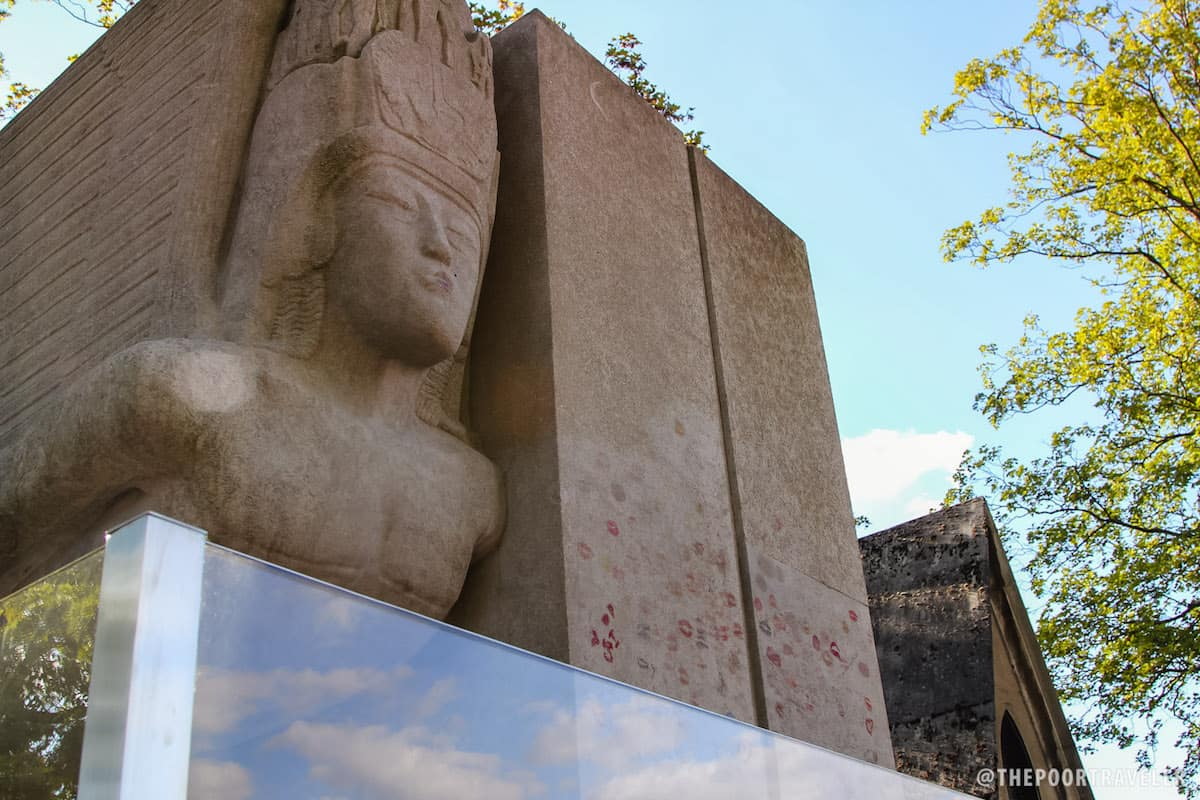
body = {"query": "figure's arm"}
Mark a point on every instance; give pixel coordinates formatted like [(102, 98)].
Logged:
[(115, 428)]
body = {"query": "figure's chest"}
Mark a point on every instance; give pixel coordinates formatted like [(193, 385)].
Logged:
[(340, 492)]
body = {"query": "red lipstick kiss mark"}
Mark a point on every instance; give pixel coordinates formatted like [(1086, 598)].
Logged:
[(758, 604), (585, 551), (730, 600), (870, 726), (833, 648), (816, 643), (774, 657), (613, 529), (853, 615), (685, 628)]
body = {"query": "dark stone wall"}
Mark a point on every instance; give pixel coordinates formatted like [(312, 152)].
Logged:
[(928, 582)]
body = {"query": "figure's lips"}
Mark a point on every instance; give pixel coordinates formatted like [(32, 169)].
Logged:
[(440, 281)]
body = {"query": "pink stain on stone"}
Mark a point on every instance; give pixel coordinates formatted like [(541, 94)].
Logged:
[(774, 657)]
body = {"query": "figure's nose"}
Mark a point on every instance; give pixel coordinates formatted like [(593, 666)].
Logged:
[(435, 243)]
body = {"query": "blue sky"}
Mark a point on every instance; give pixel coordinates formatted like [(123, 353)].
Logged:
[(815, 107)]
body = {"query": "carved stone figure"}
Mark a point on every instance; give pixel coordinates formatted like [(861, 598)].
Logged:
[(318, 429)]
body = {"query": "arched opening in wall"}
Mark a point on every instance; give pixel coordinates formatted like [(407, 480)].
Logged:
[(1015, 760)]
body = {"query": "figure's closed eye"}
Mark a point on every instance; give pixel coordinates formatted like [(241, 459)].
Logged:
[(404, 202)]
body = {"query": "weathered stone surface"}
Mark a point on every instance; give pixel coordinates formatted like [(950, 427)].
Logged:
[(592, 387), (817, 653), (933, 623), (958, 655), (314, 434), (790, 499), (785, 453)]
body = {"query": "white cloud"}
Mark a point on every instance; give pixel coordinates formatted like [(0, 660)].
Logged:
[(896, 476), (222, 779), (413, 764), (613, 736), (225, 698), (339, 614), (439, 695), (758, 770), (883, 465), (921, 505)]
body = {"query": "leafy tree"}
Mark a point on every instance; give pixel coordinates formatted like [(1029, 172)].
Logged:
[(626, 60), (623, 55), (493, 20), (1109, 100), (46, 641)]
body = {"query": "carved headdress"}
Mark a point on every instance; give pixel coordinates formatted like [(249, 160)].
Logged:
[(407, 79)]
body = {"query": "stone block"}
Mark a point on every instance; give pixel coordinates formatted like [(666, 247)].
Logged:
[(783, 446), (817, 655), (958, 657), (592, 388)]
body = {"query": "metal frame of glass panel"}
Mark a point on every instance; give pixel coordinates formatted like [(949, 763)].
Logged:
[(137, 739)]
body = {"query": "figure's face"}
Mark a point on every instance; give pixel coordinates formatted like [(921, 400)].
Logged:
[(405, 264)]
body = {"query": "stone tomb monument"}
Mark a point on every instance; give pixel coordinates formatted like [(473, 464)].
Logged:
[(967, 689), (240, 258)]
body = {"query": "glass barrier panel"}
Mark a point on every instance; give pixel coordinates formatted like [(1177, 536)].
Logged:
[(47, 637), (307, 691)]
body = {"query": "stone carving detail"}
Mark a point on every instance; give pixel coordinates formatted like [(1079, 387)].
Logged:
[(319, 429)]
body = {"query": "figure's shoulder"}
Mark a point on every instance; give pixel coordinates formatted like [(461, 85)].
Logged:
[(480, 489), (471, 465), (186, 374)]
